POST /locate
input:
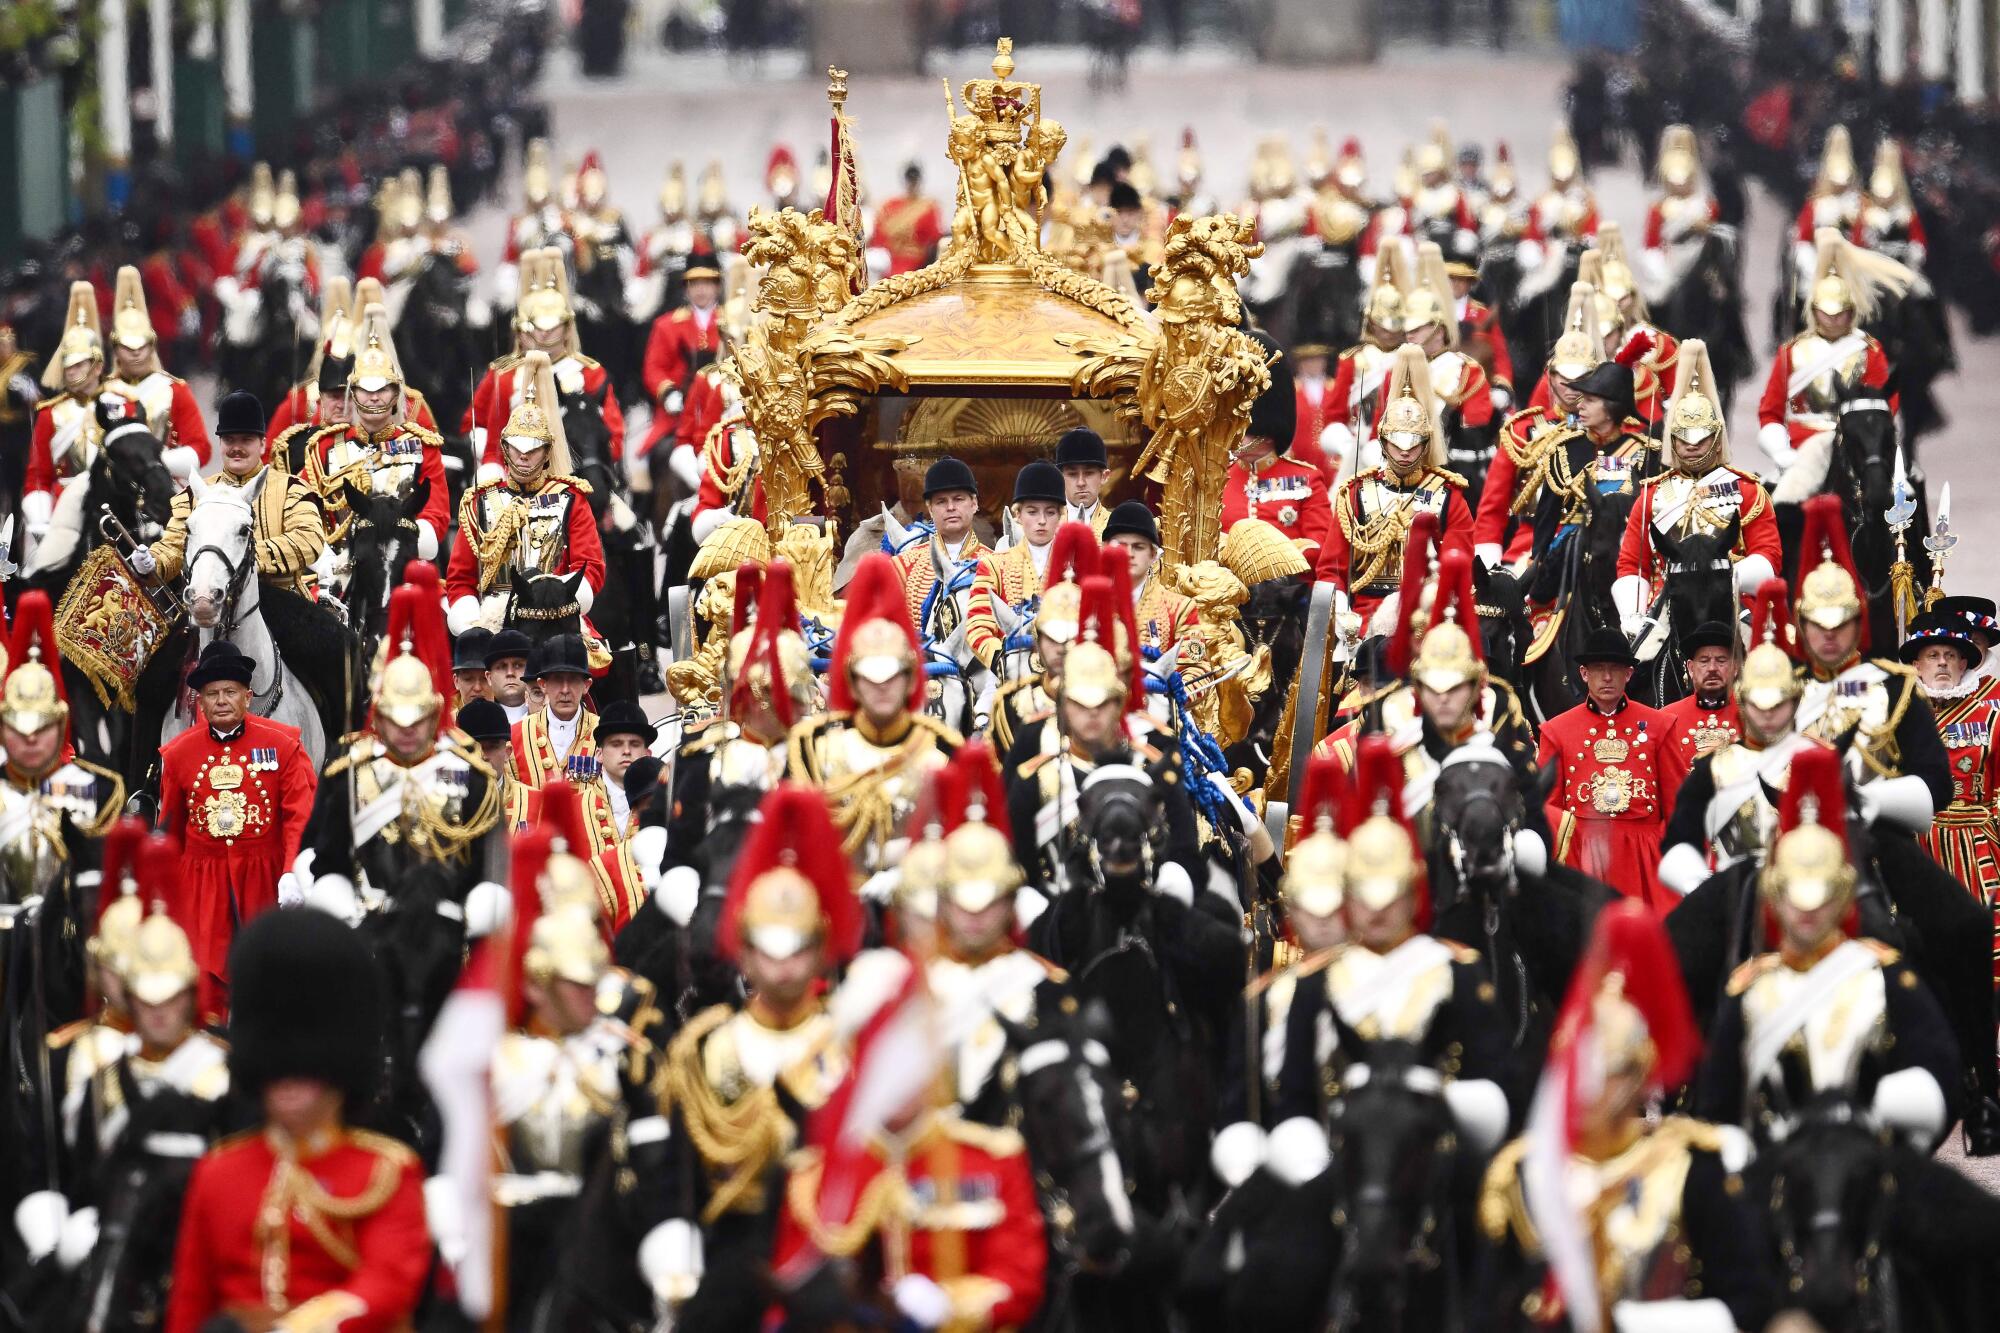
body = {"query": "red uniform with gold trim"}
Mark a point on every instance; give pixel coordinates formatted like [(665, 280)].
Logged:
[(1161, 614), (397, 457), (171, 410), (682, 342), (1314, 402), (909, 229), (1377, 507), (1965, 835), (1699, 730), (537, 757), (956, 1205), (1491, 525), (702, 409), (1480, 337), (1681, 213), (747, 500), (1617, 777), (239, 807), (498, 394), (1358, 379), (348, 1253), (1676, 503), (1288, 494), (919, 572), (76, 419), (559, 526), (297, 408), (1806, 410)]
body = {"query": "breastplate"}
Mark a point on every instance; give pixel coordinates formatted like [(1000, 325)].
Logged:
[(156, 394), (432, 795), (1823, 393), (541, 539), (74, 445), (393, 465), (1687, 506), (32, 855), (581, 1087), (1828, 709)]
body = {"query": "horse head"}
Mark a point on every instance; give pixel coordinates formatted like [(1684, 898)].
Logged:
[(220, 561), (589, 440), (1477, 808), (380, 538), (1832, 1183), (1865, 440), (1064, 1083), (136, 483), (1393, 1143), (1120, 814), (1504, 628), (544, 605)]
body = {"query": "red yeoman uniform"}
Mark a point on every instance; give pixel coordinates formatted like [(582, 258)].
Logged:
[(1698, 730), (1284, 492), (1617, 778)]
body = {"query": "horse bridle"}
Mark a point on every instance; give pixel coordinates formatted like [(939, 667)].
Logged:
[(232, 613), (1490, 915), (1078, 1059), (1435, 1222)]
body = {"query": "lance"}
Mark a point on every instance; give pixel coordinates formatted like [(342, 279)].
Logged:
[(1939, 544), (1902, 575)]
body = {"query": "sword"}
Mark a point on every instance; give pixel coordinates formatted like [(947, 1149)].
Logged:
[(1939, 544), (1902, 575)]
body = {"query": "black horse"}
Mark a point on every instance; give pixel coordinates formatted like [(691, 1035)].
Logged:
[(1504, 628), (1700, 589), (626, 610), (1706, 302), (442, 350), (418, 932), (542, 606), (268, 352), (381, 538)]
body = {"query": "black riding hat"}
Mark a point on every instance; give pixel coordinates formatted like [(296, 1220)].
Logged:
[(509, 643), (623, 718), (1275, 414), (239, 413), (1611, 382), (563, 655), (1082, 447), (949, 474), (1606, 646), (468, 650), (1039, 480), (1708, 634), (1134, 519), (221, 660), (484, 721)]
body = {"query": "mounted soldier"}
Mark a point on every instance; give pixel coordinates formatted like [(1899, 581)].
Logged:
[(135, 371), (1057, 616), (67, 435), (1268, 480)]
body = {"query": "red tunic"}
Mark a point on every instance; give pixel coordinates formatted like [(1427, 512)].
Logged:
[(1496, 501), (581, 547), (909, 229), (437, 505), (294, 409), (536, 759), (1639, 554), (1656, 223), (1481, 338), (494, 400), (1617, 779), (239, 808), (674, 349), (1431, 493), (1965, 836), (710, 495), (1698, 730), (917, 570), (1801, 420), (962, 1191), (1314, 401), (367, 1281), (1287, 493)]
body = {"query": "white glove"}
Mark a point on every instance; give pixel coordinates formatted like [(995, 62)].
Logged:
[(1337, 442), (1911, 1101), (1237, 1152), (649, 848), (1502, 399), (489, 472), (1632, 627), (181, 461), (427, 540), (1683, 869), (670, 1259), (36, 506), (1172, 881), (1629, 595), (1752, 573), (142, 561), (39, 1218), (707, 521), (585, 596), (488, 907), (1489, 554), (1480, 1109), (290, 892), (79, 1238), (1905, 802), (684, 463), (463, 615), (881, 886), (922, 1301), (1531, 857), (1672, 1316), (335, 895), (679, 893), (446, 1217), (1776, 443), (672, 403), (1029, 904)]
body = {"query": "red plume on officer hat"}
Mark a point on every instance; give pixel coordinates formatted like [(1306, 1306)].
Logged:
[(979, 776), (562, 817), (1771, 618), (875, 593), (158, 870), (1502, 153), (1099, 622), (35, 628), (749, 588), (1635, 349), (529, 852), (416, 612), (1629, 944), (1114, 564), (1323, 795), (1823, 538), (1815, 792), (940, 806), (1072, 554), (777, 611), (795, 830), (121, 854), (1416, 568), (1455, 598), (781, 159)]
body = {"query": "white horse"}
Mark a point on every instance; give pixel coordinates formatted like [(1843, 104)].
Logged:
[(224, 597)]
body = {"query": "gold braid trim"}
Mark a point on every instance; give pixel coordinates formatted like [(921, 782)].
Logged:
[(730, 475), (325, 1313), (736, 1140), (490, 548), (885, 1196)]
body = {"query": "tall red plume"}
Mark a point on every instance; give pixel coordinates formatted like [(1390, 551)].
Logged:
[(121, 852), (749, 587), (562, 817), (1630, 943), (875, 593), (1771, 618), (1187, 136), (1455, 595), (1072, 554), (1635, 350), (1116, 565), (941, 805), (984, 797), (1825, 538), (416, 613), (781, 156), (530, 857), (1815, 793), (35, 628), (777, 611), (1378, 789), (159, 872), (1322, 795), (592, 160), (1350, 147), (1416, 568), (1098, 622), (795, 829), (1502, 153)]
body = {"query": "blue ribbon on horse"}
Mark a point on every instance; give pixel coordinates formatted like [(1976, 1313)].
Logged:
[(1200, 755)]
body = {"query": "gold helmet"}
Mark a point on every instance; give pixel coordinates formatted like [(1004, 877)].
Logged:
[(1142, 176), (1429, 300), (1829, 592), (1836, 163), (876, 642), (1187, 166), (263, 196), (1886, 183), (438, 208), (1768, 677), (32, 698), (1410, 418), (711, 199), (409, 198), (1615, 266), (1319, 158), (1696, 412), (536, 176), (1847, 277), (770, 665), (738, 541), (405, 695), (1382, 859), (1280, 178), (544, 302), (286, 209), (536, 421), (117, 928), (1434, 154), (1255, 551), (1564, 161), (1315, 875), (416, 679), (979, 866), (1680, 157), (674, 192), (790, 887), (565, 943), (1060, 613), (131, 326), (376, 365), (1385, 308), (120, 908), (1448, 655), (1809, 866), (1581, 346), (1090, 675), (82, 339), (160, 962)]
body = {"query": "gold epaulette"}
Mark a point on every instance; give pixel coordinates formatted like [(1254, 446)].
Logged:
[(993, 1140), (69, 1032), (393, 1150), (114, 803), (1310, 965), (1746, 973), (1349, 353), (1501, 1203), (577, 484), (586, 362), (926, 722), (429, 438), (1033, 764), (1523, 414), (1450, 476), (504, 363), (48, 404)]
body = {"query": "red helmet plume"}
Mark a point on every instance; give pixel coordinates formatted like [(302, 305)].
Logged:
[(1823, 540), (529, 853), (795, 831), (1771, 618), (985, 798), (562, 817), (1072, 554), (1455, 598), (1629, 944), (777, 611), (1378, 790), (1099, 622), (158, 871), (1416, 568), (749, 587), (121, 858), (875, 593), (1635, 350), (1322, 796)]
